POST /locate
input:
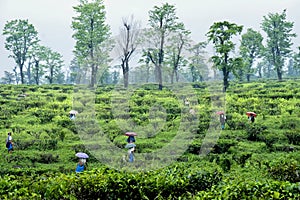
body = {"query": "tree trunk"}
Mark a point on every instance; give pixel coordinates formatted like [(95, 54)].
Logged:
[(51, 75), (37, 72), (21, 74), (93, 76), (259, 71), (172, 76), (225, 79), (248, 77), (29, 73), (160, 61), (147, 72), (160, 85), (279, 73), (225, 73)]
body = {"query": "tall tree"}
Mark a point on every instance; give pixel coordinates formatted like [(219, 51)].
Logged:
[(102, 55), (127, 44), (74, 72), (199, 70), (250, 49), (145, 66), (279, 33), (90, 32), (162, 21), (20, 37), (38, 54), (177, 43), (220, 34), (53, 64)]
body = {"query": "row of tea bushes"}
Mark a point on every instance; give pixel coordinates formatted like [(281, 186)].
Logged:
[(251, 190), (175, 182), (170, 182)]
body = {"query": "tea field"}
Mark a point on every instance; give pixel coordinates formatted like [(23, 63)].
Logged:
[(179, 155)]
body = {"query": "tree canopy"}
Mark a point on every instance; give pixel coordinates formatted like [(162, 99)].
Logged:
[(90, 32), (20, 37), (220, 34), (279, 35)]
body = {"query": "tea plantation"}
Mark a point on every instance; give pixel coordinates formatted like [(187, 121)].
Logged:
[(179, 154)]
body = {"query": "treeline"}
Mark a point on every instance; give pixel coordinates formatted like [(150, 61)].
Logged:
[(164, 50)]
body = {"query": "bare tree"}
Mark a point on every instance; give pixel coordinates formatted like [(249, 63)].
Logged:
[(127, 43)]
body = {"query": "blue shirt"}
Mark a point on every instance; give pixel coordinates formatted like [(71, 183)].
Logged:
[(79, 168)]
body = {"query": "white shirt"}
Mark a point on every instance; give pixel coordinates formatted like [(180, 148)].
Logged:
[(9, 138)]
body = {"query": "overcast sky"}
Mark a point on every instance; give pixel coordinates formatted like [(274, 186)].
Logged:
[(52, 18)]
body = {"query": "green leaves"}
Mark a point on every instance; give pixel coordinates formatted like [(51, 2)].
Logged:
[(220, 34), (171, 182), (20, 37), (91, 32), (279, 42)]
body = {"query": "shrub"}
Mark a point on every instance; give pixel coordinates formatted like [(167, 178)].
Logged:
[(47, 158), (23, 144), (269, 139), (223, 145), (254, 131), (61, 97), (284, 170), (242, 158), (289, 123), (251, 190), (293, 136), (194, 148), (46, 144), (235, 121)]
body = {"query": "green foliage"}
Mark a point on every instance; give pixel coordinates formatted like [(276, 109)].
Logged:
[(90, 34), (289, 123), (162, 21), (251, 48), (269, 139), (20, 37), (282, 39), (284, 169), (293, 136), (235, 121), (220, 34), (223, 145), (104, 183), (251, 190), (254, 131), (48, 158), (239, 166), (242, 158), (46, 144)]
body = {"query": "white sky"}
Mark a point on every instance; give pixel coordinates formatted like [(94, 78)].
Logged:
[(52, 18)]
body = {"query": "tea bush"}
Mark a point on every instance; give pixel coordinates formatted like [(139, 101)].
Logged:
[(171, 182), (244, 161), (251, 190), (293, 136), (284, 169), (254, 131)]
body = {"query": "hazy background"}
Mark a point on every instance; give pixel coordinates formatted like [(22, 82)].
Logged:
[(52, 18)]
